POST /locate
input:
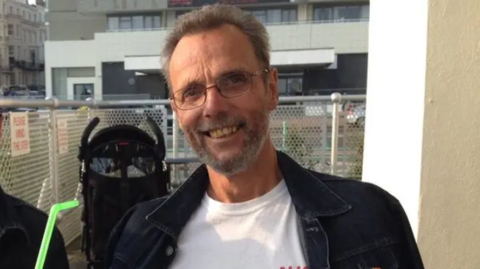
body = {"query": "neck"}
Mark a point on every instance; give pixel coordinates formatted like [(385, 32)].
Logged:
[(258, 179)]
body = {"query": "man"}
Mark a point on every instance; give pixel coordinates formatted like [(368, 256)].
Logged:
[(21, 233), (250, 206)]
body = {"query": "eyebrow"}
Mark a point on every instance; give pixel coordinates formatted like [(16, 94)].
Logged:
[(221, 75)]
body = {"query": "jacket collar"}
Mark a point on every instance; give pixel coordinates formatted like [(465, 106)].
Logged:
[(310, 196), (9, 219)]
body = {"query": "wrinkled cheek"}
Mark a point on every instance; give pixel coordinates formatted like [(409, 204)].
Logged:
[(195, 140)]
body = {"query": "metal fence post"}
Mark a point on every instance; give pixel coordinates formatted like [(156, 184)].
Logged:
[(175, 142), (54, 149), (336, 98), (284, 136)]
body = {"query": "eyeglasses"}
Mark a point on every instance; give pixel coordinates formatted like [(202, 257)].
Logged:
[(229, 86)]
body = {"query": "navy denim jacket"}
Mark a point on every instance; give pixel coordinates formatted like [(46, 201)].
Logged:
[(21, 233), (345, 224)]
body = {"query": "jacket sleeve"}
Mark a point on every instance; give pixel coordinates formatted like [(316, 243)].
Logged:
[(116, 235), (57, 254), (410, 254)]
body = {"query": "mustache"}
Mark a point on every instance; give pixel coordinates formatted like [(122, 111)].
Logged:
[(220, 122)]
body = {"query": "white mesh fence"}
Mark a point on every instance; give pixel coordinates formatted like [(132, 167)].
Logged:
[(49, 172)]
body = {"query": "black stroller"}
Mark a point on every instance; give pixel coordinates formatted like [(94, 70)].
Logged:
[(120, 166)]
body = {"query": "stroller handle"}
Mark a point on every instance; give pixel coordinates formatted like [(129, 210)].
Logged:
[(88, 130), (158, 134)]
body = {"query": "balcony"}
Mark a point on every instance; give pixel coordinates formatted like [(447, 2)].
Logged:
[(30, 66), (343, 37), (6, 69), (124, 46)]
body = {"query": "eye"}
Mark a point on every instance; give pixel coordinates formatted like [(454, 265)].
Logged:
[(235, 80), (192, 91)]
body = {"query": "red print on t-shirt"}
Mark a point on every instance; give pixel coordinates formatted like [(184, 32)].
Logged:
[(294, 267)]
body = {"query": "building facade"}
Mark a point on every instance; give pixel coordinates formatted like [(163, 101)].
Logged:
[(22, 35), (111, 47)]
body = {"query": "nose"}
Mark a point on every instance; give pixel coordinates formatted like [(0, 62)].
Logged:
[(215, 103)]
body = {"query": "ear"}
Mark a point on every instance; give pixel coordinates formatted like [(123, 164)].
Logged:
[(173, 106), (175, 110), (272, 88)]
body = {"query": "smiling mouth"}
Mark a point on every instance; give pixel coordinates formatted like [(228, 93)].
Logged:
[(223, 132)]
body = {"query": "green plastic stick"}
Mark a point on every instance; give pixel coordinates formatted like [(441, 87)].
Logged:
[(47, 236)]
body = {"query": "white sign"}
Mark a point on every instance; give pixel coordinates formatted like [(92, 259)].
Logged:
[(19, 133), (62, 136)]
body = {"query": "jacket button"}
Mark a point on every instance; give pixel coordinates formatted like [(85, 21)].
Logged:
[(169, 250)]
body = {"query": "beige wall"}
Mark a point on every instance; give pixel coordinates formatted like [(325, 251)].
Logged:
[(449, 228), (70, 25)]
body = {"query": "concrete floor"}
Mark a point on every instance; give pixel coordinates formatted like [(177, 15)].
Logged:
[(76, 258)]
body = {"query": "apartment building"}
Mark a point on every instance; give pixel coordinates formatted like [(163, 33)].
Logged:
[(107, 47), (22, 35)]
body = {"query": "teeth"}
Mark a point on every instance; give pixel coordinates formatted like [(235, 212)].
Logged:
[(223, 132)]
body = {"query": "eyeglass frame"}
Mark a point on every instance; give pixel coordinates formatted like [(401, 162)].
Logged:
[(251, 75)]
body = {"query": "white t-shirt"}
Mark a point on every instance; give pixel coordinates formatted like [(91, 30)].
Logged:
[(257, 234)]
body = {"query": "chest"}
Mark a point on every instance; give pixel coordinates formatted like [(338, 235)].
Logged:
[(266, 238)]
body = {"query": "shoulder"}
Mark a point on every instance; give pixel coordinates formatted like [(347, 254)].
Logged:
[(371, 206), (358, 193), (376, 220), (27, 212), (33, 220)]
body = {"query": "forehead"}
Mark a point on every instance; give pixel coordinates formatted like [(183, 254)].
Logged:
[(203, 56)]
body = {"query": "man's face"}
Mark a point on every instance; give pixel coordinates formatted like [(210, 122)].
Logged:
[(226, 133)]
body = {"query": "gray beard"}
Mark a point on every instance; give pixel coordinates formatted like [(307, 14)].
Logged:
[(256, 135), (238, 163)]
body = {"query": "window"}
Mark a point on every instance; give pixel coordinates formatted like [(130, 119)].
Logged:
[(10, 30), (23, 14), (113, 23), (341, 13), (136, 22), (18, 30), (290, 84), (18, 11), (289, 15), (11, 51), (83, 91), (153, 22), (35, 17), (12, 79), (33, 56), (11, 10), (125, 23), (274, 15)]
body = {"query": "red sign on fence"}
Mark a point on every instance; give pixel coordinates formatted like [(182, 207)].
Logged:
[(19, 133)]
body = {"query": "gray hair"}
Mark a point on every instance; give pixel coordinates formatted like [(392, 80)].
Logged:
[(210, 17)]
